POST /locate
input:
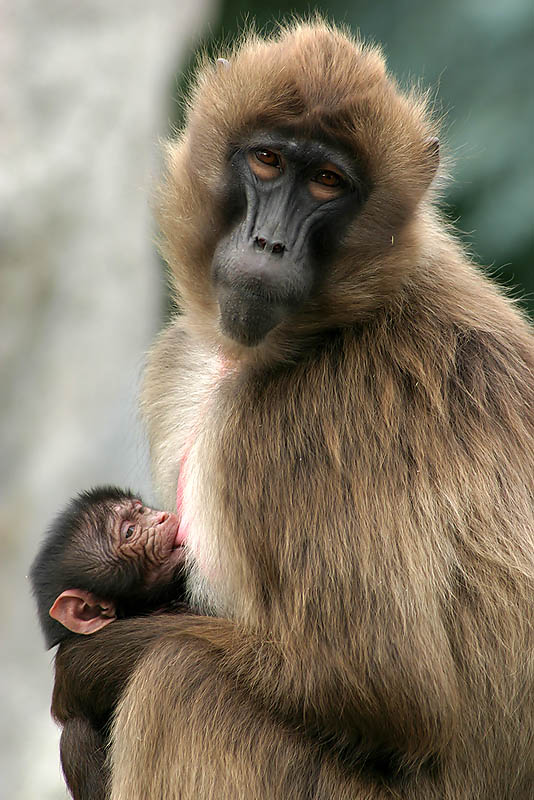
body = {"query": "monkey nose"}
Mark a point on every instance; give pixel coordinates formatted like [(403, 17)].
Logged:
[(264, 244), (162, 517)]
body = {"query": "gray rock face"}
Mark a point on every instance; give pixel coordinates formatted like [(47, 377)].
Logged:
[(83, 96)]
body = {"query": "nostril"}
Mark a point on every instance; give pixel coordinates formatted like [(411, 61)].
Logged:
[(261, 243), (163, 517)]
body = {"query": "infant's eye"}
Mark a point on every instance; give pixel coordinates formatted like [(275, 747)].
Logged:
[(127, 529)]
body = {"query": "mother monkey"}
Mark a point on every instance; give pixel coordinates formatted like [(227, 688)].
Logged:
[(345, 413)]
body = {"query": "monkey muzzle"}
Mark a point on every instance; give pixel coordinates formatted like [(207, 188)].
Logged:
[(261, 272)]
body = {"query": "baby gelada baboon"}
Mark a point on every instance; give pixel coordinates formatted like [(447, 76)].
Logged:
[(106, 556)]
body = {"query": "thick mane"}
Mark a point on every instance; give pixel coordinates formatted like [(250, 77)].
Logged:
[(326, 85)]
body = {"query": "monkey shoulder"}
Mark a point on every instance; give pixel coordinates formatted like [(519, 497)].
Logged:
[(492, 353)]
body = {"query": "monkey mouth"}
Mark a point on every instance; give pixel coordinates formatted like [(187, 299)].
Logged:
[(173, 531), (248, 319), (180, 536)]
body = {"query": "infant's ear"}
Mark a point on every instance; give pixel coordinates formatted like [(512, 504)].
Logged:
[(81, 611)]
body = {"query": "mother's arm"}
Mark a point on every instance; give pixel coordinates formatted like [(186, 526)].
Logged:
[(92, 671)]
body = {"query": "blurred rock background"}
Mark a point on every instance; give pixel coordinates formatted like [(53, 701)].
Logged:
[(84, 96), (86, 89)]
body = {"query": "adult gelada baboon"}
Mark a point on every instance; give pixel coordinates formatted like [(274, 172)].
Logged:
[(349, 403)]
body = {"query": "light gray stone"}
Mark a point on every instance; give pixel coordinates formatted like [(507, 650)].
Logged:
[(84, 90)]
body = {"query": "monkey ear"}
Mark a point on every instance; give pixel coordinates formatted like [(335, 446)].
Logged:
[(81, 611)]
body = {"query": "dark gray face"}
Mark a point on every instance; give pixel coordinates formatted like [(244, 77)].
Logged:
[(287, 206)]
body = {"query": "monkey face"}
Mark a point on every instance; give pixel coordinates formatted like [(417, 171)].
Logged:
[(147, 539), (288, 204)]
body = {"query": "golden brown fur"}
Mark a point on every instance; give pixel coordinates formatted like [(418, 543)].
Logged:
[(360, 485)]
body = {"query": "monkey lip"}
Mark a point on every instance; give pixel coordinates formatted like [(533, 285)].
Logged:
[(173, 531), (180, 536)]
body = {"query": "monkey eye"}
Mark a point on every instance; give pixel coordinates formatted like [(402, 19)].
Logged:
[(268, 157), (327, 184), (127, 529), (265, 164), (327, 177)]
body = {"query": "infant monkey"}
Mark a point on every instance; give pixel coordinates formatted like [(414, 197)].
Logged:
[(106, 556)]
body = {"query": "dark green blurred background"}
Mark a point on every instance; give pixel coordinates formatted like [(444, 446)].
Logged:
[(478, 56)]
